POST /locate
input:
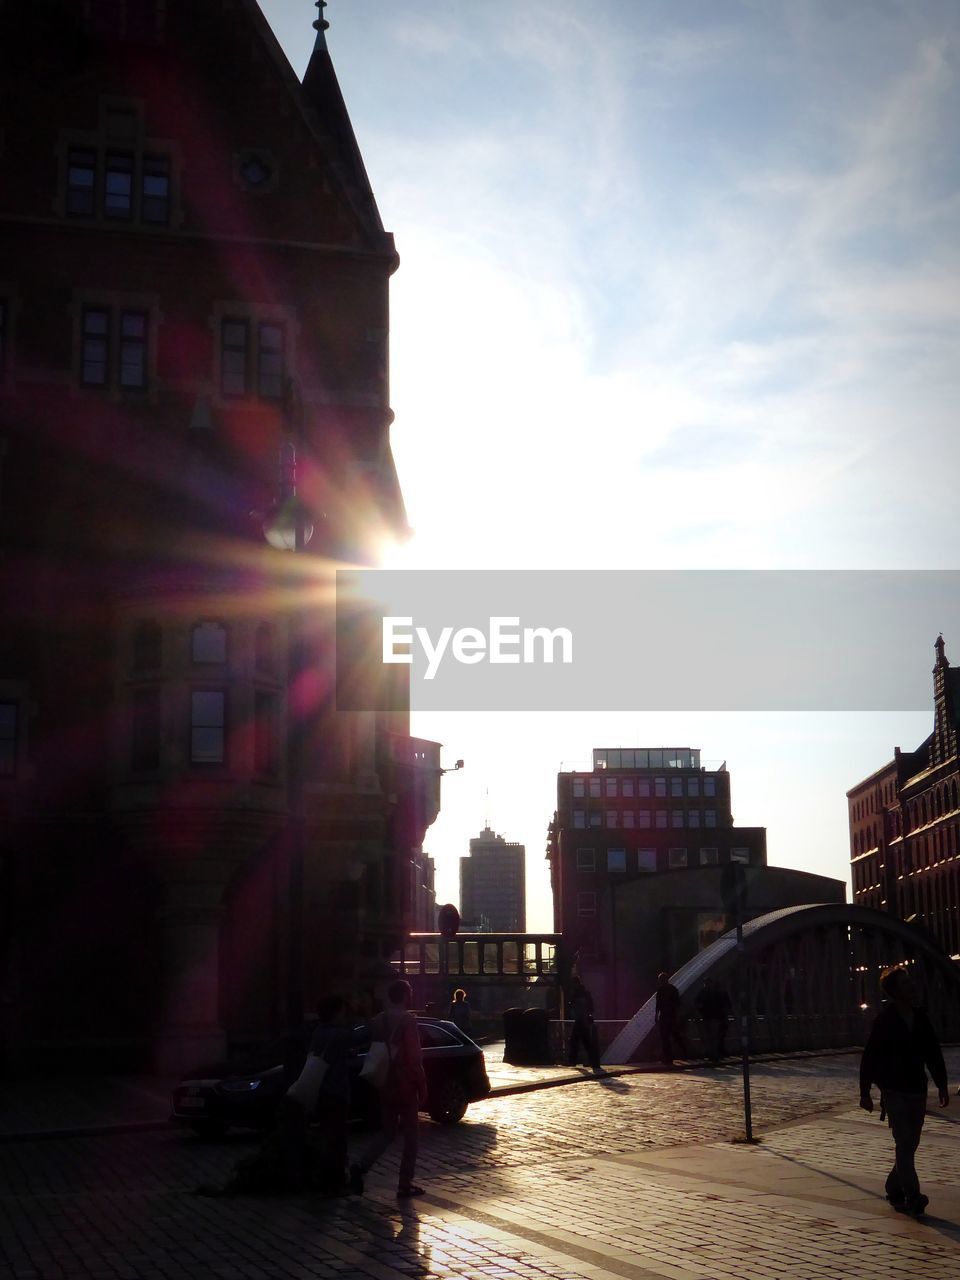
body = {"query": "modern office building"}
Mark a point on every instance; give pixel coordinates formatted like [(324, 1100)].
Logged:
[(637, 851), (493, 892), (905, 823), (194, 840)]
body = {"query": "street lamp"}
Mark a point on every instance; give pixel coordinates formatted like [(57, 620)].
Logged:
[(288, 527)]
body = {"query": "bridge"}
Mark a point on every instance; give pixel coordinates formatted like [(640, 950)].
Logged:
[(812, 979), (498, 969)]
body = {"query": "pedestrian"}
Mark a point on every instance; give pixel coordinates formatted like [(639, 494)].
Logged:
[(667, 1016), (714, 1009), (402, 1094), (460, 1010), (584, 1029), (333, 1039), (901, 1043)]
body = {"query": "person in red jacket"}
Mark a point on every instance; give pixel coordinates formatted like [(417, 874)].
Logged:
[(402, 1094), (901, 1044)]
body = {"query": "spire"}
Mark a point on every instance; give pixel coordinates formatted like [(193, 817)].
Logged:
[(320, 25)]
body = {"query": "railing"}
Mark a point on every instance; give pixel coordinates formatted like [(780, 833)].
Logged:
[(492, 956)]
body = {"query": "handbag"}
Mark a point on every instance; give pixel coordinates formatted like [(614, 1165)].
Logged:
[(376, 1065), (306, 1087)]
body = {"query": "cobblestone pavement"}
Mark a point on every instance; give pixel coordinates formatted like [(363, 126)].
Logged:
[(634, 1177)]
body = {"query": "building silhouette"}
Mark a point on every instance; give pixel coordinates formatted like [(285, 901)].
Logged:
[(905, 822), (493, 893), (637, 850), (193, 352)]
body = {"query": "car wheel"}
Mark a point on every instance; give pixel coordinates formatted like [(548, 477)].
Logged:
[(448, 1103), (210, 1130)]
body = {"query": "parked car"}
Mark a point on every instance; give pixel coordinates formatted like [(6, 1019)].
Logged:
[(246, 1093)]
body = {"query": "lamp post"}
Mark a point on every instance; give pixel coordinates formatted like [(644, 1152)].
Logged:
[(287, 527)]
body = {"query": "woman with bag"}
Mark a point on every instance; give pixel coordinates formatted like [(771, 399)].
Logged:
[(402, 1084)]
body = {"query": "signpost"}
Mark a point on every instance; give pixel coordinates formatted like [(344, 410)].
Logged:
[(733, 891)]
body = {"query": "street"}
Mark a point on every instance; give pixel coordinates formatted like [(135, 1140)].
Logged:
[(631, 1177)]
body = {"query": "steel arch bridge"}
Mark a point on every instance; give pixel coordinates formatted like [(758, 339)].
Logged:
[(813, 979)]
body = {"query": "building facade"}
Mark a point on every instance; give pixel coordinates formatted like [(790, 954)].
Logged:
[(637, 815), (905, 824), (193, 354), (493, 885)]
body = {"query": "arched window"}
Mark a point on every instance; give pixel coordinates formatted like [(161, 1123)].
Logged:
[(263, 648), (209, 642), (147, 646)]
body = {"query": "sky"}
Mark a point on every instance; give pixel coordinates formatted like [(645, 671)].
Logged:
[(678, 289)]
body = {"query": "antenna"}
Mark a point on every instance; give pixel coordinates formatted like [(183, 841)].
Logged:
[(486, 808)]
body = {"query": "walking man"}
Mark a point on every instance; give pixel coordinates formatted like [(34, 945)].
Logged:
[(902, 1042), (584, 1030), (402, 1094), (667, 1018), (713, 1006)]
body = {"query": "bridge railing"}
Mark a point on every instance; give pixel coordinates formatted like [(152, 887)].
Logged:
[(479, 956)]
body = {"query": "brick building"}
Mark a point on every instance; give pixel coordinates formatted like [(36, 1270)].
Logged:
[(905, 823), (638, 814), (193, 287)]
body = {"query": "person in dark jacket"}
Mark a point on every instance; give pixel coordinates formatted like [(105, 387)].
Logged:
[(460, 1010), (901, 1043), (333, 1038), (584, 1030), (713, 1007), (667, 1016)]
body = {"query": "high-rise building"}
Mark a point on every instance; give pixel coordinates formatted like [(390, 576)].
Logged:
[(493, 891), (905, 823), (193, 354)]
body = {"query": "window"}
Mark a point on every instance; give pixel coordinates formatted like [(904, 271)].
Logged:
[(628, 818), (611, 817), (263, 649), (579, 791), (586, 860), (3, 340), (709, 786), (678, 857), (207, 726), (708, 857), (611, 784), (643, 787), (118, 185), (147, 647), (676, 819), (596, 818), (587, 904), (595, 788), (234, 341), (81, 182), (693, 787), (709, 817), (145, 737), (8, 739), (209, 642), (265, 732), (693, 818), (270, 361), (155, 190), (100, 364), (579, 818), (647, 859), (626, 788), (643, 818), (661, 820), (95, 355), (739, 855), (133, 350), (676, 786), (659, 786), (616, 859)]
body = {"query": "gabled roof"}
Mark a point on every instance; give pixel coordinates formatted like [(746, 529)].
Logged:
[(320, 103)]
